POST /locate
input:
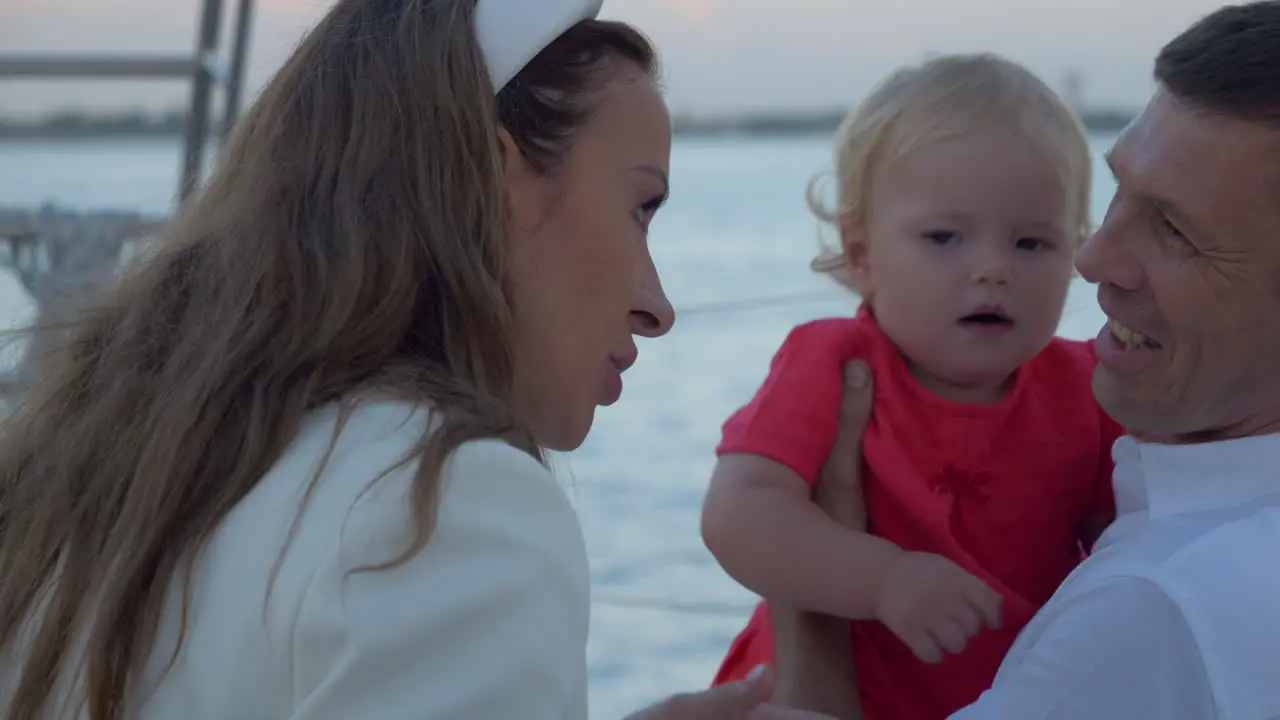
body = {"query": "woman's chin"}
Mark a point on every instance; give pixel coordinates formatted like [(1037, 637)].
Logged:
[(568, 433)]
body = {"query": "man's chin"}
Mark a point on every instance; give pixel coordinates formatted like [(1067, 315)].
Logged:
[(1123, 403)]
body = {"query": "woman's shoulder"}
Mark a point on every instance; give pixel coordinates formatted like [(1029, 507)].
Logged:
[(363, 460), (316, 557), (482, 481), (280, 615), (502, 580), (350, 449)]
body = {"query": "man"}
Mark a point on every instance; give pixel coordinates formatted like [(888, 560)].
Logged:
[(1177, 613)]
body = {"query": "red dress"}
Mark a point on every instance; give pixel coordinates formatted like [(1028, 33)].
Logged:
[(1002, 490)]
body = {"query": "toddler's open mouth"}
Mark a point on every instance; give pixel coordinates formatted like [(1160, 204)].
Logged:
[(987, 316), (988, 319)]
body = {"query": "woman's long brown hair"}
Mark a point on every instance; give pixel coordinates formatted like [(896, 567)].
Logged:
[(352, 237)]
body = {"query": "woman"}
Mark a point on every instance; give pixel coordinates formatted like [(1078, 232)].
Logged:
[(292, 466)]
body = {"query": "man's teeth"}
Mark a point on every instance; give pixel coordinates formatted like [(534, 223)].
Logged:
[(1129, 337)]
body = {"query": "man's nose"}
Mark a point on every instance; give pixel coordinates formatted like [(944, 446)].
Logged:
[(1106, 257)]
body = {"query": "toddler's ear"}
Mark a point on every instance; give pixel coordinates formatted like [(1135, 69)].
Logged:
[(853, 241)]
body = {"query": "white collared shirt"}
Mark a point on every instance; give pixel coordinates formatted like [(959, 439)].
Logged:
[(1176, 615)]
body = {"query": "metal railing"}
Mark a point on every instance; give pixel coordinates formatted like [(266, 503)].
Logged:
[(204, 69)]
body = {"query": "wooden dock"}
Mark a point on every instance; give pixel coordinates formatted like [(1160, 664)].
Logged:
[(59, 254)]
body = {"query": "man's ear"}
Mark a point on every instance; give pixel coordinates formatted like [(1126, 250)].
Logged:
[(853, 241)]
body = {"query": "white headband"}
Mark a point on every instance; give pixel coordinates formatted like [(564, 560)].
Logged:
[(512, 32)]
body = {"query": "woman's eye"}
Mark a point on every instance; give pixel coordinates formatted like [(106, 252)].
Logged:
[(645, 212)]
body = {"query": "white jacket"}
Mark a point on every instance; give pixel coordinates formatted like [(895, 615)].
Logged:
[(489, 621)]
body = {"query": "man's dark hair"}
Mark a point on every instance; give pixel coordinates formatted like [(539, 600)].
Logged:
[(1228, 62)]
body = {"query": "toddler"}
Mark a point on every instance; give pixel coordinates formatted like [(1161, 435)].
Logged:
[(962, 195)]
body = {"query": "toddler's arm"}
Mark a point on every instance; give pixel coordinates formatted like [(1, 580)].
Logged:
[(758, 519), (760, 524)]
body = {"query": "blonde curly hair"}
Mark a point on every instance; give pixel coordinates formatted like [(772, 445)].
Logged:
[(943, 98)]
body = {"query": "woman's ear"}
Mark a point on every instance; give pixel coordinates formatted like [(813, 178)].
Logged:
[(853, 241), (520, 181), (507, 148)]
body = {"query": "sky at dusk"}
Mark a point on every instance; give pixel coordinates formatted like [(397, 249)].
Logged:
[(719, 55)]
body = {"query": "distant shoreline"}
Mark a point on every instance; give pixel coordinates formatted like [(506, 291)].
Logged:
[(75, 126)]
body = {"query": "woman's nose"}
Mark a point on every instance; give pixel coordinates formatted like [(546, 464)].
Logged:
[(651, 312)]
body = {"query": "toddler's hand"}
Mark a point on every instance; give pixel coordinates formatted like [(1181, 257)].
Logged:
[(933, 605)]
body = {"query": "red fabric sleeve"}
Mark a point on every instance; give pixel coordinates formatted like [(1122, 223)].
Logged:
[(793, 416)]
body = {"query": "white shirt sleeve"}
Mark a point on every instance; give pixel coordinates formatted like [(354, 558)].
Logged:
[(1121, 651), (488, 621)]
